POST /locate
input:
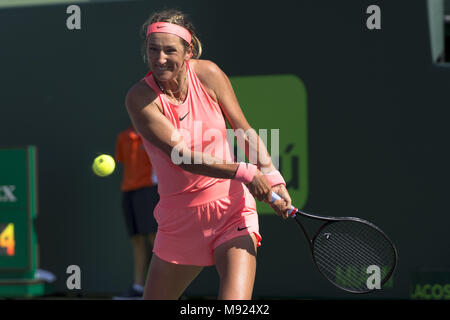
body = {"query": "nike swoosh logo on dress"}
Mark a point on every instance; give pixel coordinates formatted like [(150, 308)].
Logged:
[(181, 118)]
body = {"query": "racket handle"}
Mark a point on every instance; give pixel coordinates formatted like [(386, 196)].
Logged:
[(291, 211)]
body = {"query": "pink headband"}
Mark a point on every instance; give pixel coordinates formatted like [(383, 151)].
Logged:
[(172, 28)]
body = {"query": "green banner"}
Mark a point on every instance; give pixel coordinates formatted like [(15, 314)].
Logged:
[(276, 107), (430, 285)]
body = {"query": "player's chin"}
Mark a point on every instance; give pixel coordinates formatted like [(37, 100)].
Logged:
[(163, 75)]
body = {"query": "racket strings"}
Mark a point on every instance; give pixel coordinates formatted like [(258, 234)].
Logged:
[(344, 250), (348, 271), (325, 256), (344, 274), (354, 256)]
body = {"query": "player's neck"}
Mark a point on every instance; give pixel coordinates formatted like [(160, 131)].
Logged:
[(178, 90)]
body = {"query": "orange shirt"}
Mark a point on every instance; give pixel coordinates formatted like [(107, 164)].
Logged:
[(137, 166)]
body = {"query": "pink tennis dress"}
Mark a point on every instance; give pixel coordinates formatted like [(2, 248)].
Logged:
[(197, 213)]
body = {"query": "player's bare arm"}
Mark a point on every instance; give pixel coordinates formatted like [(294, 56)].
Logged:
[(220, 89), (148, 119)]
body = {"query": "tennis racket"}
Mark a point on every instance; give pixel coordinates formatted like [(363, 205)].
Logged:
[(351, 253)]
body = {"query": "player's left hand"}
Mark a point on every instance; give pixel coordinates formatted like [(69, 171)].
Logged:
[(281, 207)]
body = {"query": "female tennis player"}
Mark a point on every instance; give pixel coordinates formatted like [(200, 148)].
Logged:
[(206, 214)]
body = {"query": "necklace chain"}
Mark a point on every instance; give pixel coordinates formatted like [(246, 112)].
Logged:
[(179, 88)]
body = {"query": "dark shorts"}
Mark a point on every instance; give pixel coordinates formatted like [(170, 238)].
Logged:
[(138, 206)]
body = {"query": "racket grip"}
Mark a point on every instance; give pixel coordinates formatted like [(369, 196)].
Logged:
[(291, 211)]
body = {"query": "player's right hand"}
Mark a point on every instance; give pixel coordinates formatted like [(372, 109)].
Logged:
[(281, 207), (260, 188)]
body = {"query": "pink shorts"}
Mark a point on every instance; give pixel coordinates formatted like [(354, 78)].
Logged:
[(189, 234)]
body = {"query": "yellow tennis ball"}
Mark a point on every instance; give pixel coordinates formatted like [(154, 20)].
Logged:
[(103, 165)]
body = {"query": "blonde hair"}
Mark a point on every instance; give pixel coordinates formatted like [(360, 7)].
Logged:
[(175, 17)]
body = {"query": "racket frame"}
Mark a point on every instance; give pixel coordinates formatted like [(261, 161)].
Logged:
[(328, 220)]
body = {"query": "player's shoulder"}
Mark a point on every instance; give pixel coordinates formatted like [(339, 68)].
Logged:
[(140, 95), (206, 69), (209, 74)]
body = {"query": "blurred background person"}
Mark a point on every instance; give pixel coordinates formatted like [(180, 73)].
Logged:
[(139, 198)]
